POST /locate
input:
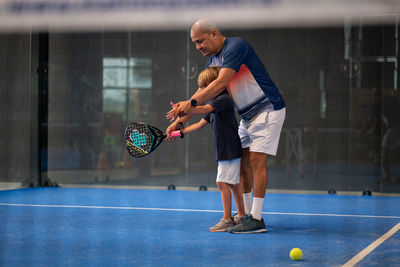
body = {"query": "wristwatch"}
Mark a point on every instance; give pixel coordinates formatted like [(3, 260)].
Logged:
[(193, 102)]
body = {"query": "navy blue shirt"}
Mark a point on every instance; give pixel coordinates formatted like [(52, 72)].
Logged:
[(227, 143), (251, 88)]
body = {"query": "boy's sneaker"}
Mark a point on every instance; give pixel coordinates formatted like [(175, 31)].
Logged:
[(248, 226), (238, 219), (222, 225)]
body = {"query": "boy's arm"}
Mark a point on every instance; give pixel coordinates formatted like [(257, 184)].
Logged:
[(205, 109), (195, 126), (197, 110), (173, 126)]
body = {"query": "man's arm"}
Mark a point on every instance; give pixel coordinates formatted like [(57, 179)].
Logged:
[(172, 114), (215, 87), (202, 96)]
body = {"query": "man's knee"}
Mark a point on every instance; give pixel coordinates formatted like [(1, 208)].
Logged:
[(257, 160), (222, 185)]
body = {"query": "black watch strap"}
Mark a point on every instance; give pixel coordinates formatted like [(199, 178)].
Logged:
[(180, 128), (193, 102)]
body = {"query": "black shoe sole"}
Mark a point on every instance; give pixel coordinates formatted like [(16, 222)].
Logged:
[(251, 232)]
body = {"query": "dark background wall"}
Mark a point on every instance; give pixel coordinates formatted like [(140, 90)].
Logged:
[(15, 107), (331, 137)]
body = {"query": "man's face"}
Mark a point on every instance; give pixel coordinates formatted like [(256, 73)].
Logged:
[(205, 42)]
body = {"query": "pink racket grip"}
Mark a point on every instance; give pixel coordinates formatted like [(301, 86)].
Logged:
[(176, 134)]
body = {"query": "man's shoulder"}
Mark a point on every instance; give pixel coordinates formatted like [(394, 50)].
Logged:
[(236, 45), (236, 41)]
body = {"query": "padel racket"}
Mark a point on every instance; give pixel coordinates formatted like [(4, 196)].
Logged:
[(142, 138)]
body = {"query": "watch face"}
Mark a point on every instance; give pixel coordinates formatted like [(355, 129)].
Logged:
[(193, 102)]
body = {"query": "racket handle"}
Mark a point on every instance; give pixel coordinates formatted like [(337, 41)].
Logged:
[(176, 134)]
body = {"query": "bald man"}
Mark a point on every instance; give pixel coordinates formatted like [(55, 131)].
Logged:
[(258, 102)]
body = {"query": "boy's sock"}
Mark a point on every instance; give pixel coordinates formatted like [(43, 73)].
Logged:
[(256, 209), (247, 199)]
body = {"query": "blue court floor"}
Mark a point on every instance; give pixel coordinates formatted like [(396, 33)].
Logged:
[(132, 227)]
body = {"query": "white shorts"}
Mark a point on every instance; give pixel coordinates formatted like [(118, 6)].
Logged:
[(262, 133), (229, 171)]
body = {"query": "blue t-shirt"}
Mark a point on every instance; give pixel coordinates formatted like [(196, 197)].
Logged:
[(251, 88), (227, 143)]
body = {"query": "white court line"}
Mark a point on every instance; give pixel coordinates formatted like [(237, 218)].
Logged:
[(196, 210), (103, 207), (333, 215), (357, 258)]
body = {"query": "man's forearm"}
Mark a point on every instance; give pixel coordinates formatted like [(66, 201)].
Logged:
[(215, 87), (211, 91)]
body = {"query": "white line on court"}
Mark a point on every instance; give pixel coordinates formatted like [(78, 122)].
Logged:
[(196, 210), (103, 207), (357, 258), (333, 215)]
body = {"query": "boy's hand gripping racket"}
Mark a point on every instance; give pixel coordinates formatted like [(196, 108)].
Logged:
[(142, 138)]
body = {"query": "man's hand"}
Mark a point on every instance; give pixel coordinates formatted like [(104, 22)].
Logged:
[(184, 108), (179, 109)]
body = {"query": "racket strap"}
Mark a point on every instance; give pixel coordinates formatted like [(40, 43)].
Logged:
[(180, 128)]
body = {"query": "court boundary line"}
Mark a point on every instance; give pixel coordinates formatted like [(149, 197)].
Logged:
[(196, 210), (363, 253), (4, 186), (215, 189)]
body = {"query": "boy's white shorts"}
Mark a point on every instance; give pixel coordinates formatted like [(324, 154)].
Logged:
[(262, 133), (229, 171)]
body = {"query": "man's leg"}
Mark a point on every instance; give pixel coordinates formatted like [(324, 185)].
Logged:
[(254, 223), (258, 163), (246, 180), (264, 136)]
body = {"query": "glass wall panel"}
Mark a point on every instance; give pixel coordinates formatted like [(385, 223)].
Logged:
[(99, 82), (339, 84), (16, 110)]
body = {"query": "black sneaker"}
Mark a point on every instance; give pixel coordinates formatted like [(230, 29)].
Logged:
[(248, 226), (238, 219)]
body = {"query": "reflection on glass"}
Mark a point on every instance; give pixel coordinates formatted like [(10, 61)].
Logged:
[(114, 77), (127, 85), (340, 132), (114, 100)]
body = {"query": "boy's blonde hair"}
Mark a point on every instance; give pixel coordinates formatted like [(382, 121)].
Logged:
[(207, 76)]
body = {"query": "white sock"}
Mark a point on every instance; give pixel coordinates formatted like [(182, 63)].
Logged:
[(256, 209), (247, 199)]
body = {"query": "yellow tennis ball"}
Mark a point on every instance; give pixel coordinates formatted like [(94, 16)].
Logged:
[(296, 254)]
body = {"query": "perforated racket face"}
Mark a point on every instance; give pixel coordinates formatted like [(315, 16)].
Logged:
[(142, 138)]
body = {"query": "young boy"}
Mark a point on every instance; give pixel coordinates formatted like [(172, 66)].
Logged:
[(228, 150)]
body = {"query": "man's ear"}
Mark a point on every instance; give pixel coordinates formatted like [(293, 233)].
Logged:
[(213, 34)]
